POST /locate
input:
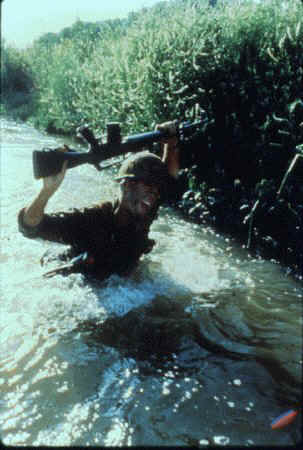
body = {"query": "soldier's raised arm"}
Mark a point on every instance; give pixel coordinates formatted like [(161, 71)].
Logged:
[(170, 147), (33, 214)]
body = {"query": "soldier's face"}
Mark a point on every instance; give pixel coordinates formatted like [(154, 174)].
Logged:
[(138, 197)]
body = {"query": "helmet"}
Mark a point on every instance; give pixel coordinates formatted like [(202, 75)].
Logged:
[(144, 166)]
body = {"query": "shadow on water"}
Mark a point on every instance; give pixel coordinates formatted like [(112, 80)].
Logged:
[(157, 333), (160, 329), (163, 334)]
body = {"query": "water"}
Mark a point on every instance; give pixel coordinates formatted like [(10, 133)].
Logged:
[(201, 345)]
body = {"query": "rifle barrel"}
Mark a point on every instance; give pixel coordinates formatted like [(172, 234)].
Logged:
[(139, 140)]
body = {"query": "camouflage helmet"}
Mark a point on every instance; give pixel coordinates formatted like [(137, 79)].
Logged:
[(144, 166)]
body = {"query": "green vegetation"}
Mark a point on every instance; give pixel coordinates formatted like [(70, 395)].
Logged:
[(241, 61), (17, 93)]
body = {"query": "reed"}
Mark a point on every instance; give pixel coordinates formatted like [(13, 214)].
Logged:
[(169, 58), (242, 61)]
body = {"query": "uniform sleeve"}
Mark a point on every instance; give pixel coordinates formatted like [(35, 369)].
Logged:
[(63, 227), (174, 190), (27, 231)]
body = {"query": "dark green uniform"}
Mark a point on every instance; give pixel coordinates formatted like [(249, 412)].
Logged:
[(111, 249)]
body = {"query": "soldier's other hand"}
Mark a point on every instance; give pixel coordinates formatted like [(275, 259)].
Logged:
[(170, 130)]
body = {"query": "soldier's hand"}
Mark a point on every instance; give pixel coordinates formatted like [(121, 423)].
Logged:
[(170, 130), (170, 149), (52, 183)]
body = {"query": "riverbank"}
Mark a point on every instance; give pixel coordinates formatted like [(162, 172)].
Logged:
[(242, 62), (271, 228), (265, 217)]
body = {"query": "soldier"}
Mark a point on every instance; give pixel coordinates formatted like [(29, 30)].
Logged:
[(111, 236)]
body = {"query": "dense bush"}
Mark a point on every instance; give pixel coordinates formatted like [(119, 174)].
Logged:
[(16, 83), (242, 61)]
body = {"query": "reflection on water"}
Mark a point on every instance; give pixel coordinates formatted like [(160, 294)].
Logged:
[(202, 345)]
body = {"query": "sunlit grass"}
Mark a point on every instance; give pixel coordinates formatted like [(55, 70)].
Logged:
[(241, 61), (169, 58)]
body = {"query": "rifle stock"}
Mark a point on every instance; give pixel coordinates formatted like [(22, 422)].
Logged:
[(49, 161)]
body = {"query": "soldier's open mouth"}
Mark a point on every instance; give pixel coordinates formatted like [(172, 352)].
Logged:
[(146, 202), (145, 205)]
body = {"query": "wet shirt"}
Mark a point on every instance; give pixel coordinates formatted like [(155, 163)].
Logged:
[(94, 230)]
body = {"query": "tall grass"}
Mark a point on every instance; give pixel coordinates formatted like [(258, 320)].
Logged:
[(171, 57), (242, 61), (17, 94)]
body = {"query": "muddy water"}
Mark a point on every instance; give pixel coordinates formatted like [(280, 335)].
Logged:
[(201, 345)]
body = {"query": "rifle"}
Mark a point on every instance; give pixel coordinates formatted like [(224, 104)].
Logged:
[(48, 162)]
